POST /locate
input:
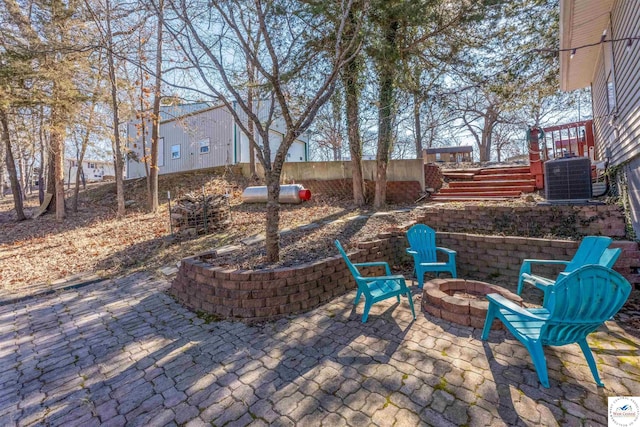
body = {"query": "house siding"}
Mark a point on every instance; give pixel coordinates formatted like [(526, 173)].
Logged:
[(623, 144), (228, 145), (297, 151), (214, 124), (618, 133)]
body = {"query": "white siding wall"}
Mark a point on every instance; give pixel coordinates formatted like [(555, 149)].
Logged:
[(621, 134), (624, 142), (227, 143), (213, 125), (297, 151), (93, 170)]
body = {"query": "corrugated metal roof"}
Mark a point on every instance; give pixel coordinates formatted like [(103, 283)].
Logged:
[(582, 22), (458, 149), (170, 112)]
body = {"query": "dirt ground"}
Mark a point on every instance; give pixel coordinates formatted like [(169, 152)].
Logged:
[(42, 250)]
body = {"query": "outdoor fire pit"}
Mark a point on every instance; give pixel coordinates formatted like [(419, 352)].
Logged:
[(462, 301)]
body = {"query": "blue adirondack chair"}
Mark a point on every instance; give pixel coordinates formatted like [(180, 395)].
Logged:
[(376, 288), (592, 250), (422, 240), (578, 304)]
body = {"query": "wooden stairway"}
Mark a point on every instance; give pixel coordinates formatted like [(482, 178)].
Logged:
[(501, 183)]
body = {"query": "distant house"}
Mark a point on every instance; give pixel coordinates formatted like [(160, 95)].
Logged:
[(197, 136), (94, 170), (459, 154), (600, 48)]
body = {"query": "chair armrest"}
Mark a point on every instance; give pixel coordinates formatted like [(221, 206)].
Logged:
[(511, 306), (446, 250), (375, 264), (389, 277), (545, 261), (525, 268), (411, 251)]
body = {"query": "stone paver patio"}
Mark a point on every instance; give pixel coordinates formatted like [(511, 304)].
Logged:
[(123, 352)]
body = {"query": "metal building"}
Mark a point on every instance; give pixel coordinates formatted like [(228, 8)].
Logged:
[(197, 136)]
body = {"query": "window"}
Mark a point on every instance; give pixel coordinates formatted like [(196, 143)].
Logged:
[(204, 146), (609, 72), (611, 94), (92, 166), (175, 151)]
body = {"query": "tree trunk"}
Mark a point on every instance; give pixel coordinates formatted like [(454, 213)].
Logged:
[(350, 77), (11, 167), (51, 179), (272, 241), (57, 161), (79, 171), (22, 175), (416, 120), (2, 166), (387, 76), (117, 152), (155, 130), (41, 182), (84, 145), (385, 124), (143, 123), (251, 137)]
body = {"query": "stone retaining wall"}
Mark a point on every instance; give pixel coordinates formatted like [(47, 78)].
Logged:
[(399, 192), (528, 221), (489, 257), (271, 294), (264, 295)]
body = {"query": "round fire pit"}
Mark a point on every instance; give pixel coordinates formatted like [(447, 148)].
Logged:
[(462, 301)]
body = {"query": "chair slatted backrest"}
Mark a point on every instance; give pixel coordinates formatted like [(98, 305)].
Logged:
[(352, 268), (581, 301), (589, 252), (422, 239), (609, 257)]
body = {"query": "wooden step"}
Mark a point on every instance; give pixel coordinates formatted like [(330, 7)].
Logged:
[(486, 190), (459, 175), (469, 199), (503, 177), (503, 183), (492, 193), (505, 170)]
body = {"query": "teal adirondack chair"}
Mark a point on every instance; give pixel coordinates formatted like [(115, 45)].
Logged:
[(376, 288), (592, 250), (422, 240), (578, 304)]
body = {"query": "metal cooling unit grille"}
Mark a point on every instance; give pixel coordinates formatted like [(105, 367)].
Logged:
[(568, 179)]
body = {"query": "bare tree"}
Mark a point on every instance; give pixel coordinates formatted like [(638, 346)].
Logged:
[(293, 78), (11, 166), (157, 97), (329, 127), (352, 81), (2, 170)]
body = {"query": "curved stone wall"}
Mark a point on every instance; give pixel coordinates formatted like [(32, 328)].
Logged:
[(265, 295)]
